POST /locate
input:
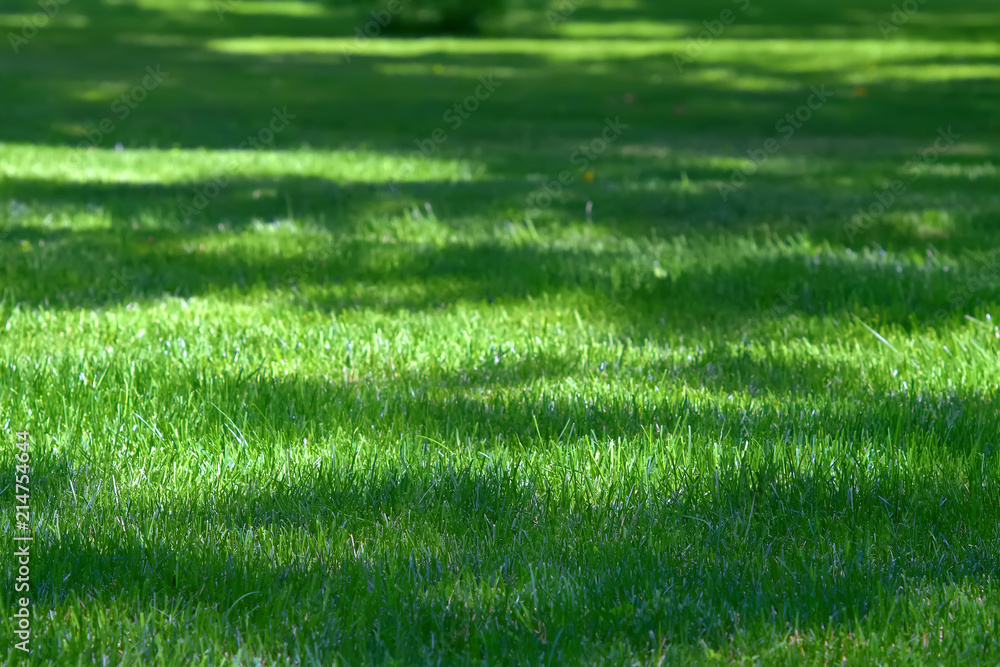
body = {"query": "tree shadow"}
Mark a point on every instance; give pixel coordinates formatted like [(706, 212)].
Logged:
[(776, 19), (333, 263), (497, 524), (689, 133), (229, 71), (610, 561), (497, 397)]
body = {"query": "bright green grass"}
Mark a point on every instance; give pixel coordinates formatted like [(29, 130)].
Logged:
[(325, 420)]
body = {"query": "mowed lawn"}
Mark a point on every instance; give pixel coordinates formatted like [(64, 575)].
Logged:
[(325, 400)]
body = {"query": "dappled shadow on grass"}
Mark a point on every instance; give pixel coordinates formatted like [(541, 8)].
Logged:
[(143, 245), (781, 19), (538, 97), (662, 178), (490, 555), (351, 94), (670, 187), (551, 509), (183, 209), (619, 288), (498, 399), (773, 19)]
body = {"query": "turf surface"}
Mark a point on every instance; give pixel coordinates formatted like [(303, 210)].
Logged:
[(327, 400)]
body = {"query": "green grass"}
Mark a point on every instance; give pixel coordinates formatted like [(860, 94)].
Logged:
[(359, 408)]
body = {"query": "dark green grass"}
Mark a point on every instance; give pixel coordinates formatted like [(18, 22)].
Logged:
[(352, 412)]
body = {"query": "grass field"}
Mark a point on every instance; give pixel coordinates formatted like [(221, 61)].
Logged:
[(325, 399)]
